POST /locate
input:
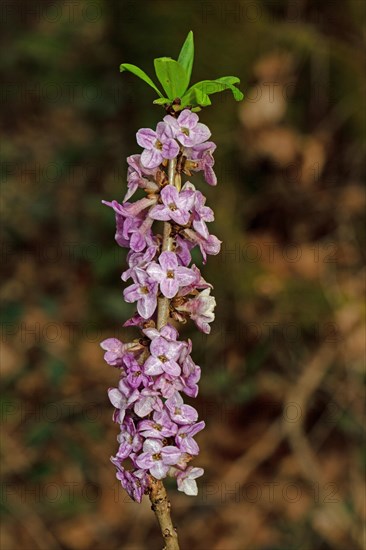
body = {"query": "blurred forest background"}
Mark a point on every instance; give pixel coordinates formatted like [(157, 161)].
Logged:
[(283, 372)]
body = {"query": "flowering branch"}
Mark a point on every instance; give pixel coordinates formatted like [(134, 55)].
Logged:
[(160, 503), (157, 428)]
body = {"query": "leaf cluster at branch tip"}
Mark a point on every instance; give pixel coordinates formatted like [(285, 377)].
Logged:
[(174, 77)]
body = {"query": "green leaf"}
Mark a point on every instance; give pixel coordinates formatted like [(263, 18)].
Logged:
[(141, 74), (209, 87), (186, 55), (171, 76), (201, 98), (195, 96), (161, 101), (229, 79)]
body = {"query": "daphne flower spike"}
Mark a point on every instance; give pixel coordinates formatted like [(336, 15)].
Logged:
[(157, 428)]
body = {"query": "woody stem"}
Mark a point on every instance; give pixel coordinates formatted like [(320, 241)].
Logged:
[(160, 503)]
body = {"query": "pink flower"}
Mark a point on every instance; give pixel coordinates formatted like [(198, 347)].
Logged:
[(176, 206), (115, 350), (201, 310), (187, 129), (129, 439), (122, 398), (179, 412), (169, 274), (168, 385), (182, 250), (156, 458), (202, 155), (201, 215), (134, 372), (138, 259), (147, 401), (168, 332), (191, 373), (158, 145), (184, 438), (133, 228), (198, 284), (163, 358), (159, 427), (134, 482), (136, 177), (208, 245), (186, 480), (144, 292)]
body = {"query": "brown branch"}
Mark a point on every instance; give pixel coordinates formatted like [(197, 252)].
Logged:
[(160, 503)]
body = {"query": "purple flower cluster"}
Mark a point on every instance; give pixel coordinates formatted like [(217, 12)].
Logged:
[(157, 428)]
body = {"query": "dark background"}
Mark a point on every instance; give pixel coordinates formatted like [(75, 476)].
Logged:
[(281, 389)]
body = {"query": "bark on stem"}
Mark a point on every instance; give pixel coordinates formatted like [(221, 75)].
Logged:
[(160, 503)]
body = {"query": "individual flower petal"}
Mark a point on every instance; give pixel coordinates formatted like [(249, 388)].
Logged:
[(144, 406), (188, 119), (169, 287), (168, 260), (153, 366), (170, 149), (170, 333), (131, 293), (160, 212), (146, 138), (152, 446), (172, 368), (145, 460), (182, 250), (159, 469), (156, 272), (147, 305), (116, 398), (151, 158), (185, 276), (186, 199), (170, 454), (164, 132)]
